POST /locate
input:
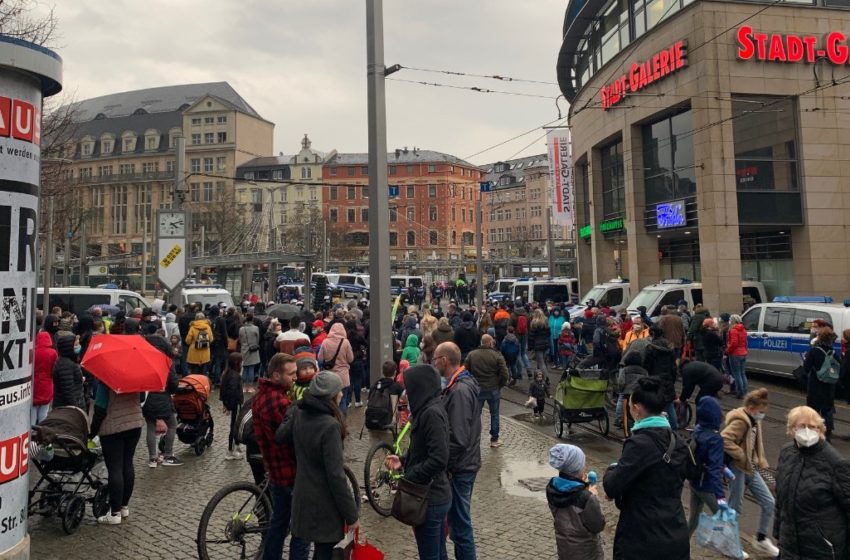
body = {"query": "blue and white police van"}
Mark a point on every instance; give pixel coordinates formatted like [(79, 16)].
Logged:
[(779, 332)]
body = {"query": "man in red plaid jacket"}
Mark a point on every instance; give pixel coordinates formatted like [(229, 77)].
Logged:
[(268, 411)]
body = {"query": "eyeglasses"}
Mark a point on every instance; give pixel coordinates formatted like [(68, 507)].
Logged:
[(435, 358)]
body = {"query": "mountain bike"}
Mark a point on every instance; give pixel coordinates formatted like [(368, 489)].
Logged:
[(235, 520), (380, 481)]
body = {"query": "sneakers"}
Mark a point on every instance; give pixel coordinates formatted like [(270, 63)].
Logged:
[(233, 455), (358, 404), (125, 512), (744, 555), (172, 461), (153, 463), (512, 382), (766, 547), (495, 443), (110, 519)]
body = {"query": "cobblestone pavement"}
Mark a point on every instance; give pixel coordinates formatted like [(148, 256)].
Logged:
[(510, 520)]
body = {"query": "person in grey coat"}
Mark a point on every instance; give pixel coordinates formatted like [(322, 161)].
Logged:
[(322, 502), (249, 342)]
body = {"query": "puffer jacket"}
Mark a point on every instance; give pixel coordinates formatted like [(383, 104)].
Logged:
[(819, 395), (709, 447), (578, 518), (159, 405), (67, 375), (736, 342), (660, 362), (338, 339), (555, 324), (45, 359), (738, 444), (538, 337), (198, 355), (812, 517)]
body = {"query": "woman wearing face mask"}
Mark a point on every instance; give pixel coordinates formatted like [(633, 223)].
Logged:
[(67, 375), (743, 442), (812, 492)]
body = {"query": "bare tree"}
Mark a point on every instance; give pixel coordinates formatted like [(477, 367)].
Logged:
[(27, 20)]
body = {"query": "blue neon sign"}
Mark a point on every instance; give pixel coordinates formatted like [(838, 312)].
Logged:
[(670, 214)]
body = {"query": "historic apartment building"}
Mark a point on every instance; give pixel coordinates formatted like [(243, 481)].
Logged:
[(121, 163)]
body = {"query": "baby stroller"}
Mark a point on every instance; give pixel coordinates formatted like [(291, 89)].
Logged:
[(195, 425), (580, 398), (58, 450)]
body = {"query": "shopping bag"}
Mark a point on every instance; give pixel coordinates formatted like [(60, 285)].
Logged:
[(364, 550), (344, 548), (720, 532)]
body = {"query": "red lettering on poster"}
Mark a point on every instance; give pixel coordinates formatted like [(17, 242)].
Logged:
[(14, 457)]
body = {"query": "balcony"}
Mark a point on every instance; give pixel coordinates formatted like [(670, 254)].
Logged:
[(125, 178)]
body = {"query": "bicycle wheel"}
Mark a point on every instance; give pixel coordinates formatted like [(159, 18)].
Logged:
[(380, 486), (234, 523), (355, 486)]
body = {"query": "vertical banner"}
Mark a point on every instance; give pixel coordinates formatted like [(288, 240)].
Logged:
[(562, 182)]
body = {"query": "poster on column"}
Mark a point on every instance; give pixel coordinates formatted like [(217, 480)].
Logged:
[(561, 178), (20, 104)]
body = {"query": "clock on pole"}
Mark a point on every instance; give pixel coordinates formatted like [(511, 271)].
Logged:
[(171, 247)]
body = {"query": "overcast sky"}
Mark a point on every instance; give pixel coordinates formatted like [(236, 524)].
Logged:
[(302, 64)]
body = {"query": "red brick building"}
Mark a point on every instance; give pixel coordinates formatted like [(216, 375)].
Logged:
[(432, 218)]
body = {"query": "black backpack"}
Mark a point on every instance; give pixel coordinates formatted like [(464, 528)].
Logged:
[(694, 468), (379, 406), (245, 423)]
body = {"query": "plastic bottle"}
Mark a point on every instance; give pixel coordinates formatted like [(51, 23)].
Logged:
[(592, 478)]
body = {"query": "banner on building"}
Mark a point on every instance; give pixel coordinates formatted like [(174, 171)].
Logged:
[(561, 177)]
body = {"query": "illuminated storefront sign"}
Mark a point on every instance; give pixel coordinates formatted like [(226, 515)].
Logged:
[(775, 47), (670, 214), (585, 231), (642, 74), (612, 225)]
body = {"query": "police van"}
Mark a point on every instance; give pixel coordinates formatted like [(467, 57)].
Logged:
[(401, 282), (501, 289), (207, 295), (779, 333), (616, 294), (78, 299), (558, 290), (672, 291)]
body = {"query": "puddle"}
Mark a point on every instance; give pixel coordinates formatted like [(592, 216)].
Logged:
[(527, 479), (529, 418)]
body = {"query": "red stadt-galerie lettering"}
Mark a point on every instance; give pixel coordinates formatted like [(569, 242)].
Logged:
[(775, 47), (642, 74)]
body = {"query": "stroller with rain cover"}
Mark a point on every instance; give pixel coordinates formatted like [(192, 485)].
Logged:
[(195, 425), (67, 467), (580, 398)]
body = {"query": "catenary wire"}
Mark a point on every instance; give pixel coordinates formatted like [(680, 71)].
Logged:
[(471, 75), (472, 88)]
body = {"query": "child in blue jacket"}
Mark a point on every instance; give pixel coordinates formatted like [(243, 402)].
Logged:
[(708, 491)]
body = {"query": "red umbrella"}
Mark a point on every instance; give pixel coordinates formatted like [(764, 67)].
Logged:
[(127, 363)]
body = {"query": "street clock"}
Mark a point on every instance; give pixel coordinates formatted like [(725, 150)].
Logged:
[(172, 224)]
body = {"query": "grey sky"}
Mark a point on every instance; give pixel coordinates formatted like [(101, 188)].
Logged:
[(301, 64)]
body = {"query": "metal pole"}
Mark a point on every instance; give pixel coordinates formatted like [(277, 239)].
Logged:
[(380, 327), (178, 200), (550, 243), (66, 258), (479, 266), (325, 245), (272, 241), (203, 252), (144, 248), (84, 252), (307, 292), (48, 258)]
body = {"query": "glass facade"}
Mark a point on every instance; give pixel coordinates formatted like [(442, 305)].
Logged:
[(668, 159), (613, 181)]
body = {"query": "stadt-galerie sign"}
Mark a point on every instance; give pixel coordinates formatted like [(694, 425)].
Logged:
[(644, 73), (792, 48)]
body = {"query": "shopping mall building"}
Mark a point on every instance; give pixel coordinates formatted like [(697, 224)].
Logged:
[(711, 141)]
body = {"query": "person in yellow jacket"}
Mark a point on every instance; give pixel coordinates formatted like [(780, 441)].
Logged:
[(639, 330), (199, 340)]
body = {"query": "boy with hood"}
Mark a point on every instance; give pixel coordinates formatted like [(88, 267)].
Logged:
[(467, 336), (511, 350), (67, 375), (411, 349), (574, 504), (708, 490)]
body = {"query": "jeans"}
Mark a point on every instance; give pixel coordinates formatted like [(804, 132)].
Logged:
[(118, 450), (357, 374), (460, 517), (219, 362), (539, 406), (184, 364), (492, 397), (346, 397), (755, 484), (516, 371), (671, 416), (431, 535), (618, 410), (323, 551), (299, 549), (523, 352), (698, 499), (739, 374), (38, 412), (168, 437), (540, 359), (249, 373)]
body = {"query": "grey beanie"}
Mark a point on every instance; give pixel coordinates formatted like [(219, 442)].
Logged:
[(325, 384), (567, 458)]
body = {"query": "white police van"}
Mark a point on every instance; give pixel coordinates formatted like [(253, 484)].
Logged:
[(672, 291), (206, 294), (78, 299), (501, 289), (616, 294), (779, 333), (558, 290)]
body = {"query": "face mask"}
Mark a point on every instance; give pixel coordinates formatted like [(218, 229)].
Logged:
[(315, 332), (759, 416), (77, 349), (444, 382), (806, 437)]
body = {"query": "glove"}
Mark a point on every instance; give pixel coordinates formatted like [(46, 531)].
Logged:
[(727, 472), (722, 505)]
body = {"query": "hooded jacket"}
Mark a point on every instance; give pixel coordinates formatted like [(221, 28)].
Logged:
[(627, 378), (171, 327), (467, 337), (510, 349), (338, 339), (443, 333), (411, 349), (660, 362), (674, 329), (812, 503), (709, 447), (427, 458), (67, 375), (538, 336), (410, 326), (45, 359), (198, 355), (736, 344), (578, 518), (695, 330), (488, 366), (555, 324), (819, 395), (460, 400), (159, 405), (703, 375), (738, 444)]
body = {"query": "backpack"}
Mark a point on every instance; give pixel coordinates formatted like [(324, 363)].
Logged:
[(379, 407), (694, 468), (830, 370), (245, 423), (522, 325), (203, 340)]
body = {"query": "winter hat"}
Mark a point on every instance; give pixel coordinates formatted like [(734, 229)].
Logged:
[(567, 458), (305, 355), (325, 384), (65, 324), (565, 326)]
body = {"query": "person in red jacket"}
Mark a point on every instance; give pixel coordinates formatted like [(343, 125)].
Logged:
[(319, 334), (42, 390), (736, 350)]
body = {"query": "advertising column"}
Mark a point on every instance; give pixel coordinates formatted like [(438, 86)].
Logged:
[(27, 73)]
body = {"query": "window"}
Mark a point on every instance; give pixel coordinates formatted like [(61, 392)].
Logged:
[(219, 191), (208, 191), (432, 168), (432, 237), (86, 149), (613, 183), (209, 120), (779, 319), (283, 216), (277, 174), (208, 165), (452, 170), (391, 170), (248, 175), (150, 167), (119, 209), (306, 172), (432, 191), (151, 142), (196, 121), (454, 215), (432, 213), (142, 210), (127, 168), (196, 139), (222, 119), (352, 171), (220, 163), (352, 193), (409, 169), (334, 193), (97, 202), (507, 213), (333, 171), (364, 215), (195, 165), (351, 215), (222, 137), (765, 133), (313, 194), (668, 159), (257, 200), (334, 215), (195, 192), (410, 193), (364, 170), (128, 145), (104, 170), (209, 138), (411, 238), (393, 214), (85, 173), (393, 239), (411, 213)]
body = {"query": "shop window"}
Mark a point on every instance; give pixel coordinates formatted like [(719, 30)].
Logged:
[(765, 132), (668, 159), (613, 183)]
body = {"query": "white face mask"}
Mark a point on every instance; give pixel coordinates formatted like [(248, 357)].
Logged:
[(806, 437)]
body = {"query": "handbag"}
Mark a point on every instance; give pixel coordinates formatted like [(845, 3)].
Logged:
[(329, 364), (344, 548), (410, 504), (364, 550), (232, 344)]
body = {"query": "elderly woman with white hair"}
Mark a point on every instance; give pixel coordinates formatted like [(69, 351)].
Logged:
[(812, 519)]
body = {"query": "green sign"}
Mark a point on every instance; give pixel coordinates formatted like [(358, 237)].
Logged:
[(612, 225), (586, 231)]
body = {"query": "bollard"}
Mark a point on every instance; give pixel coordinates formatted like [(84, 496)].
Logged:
[(28, 73)]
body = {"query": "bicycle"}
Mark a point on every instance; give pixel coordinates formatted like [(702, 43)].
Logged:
[(236, 519), (380, 481)]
